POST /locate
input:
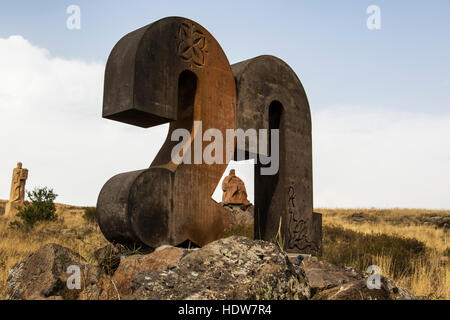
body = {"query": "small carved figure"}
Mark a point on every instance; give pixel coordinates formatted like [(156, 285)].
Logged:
[(17, 195), (234, 191)]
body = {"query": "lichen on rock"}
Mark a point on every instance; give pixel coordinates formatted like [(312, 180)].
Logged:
[(44, 274), (234, 268), (231, 268)]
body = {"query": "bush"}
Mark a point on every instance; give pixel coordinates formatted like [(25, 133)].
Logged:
[(90, 214), (40, 207)]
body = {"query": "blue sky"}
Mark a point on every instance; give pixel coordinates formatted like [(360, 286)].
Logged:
[(380, 99), (405, 65)]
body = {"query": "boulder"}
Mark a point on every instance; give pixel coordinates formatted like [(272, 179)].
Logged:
[(231, 268), (103, 289), (241, 214), (43, 274), (234, 268), (131, 266), (242, 221), (118, 286), (323, 275), (358, 290)]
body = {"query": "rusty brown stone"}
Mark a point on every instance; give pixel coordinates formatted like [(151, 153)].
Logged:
[(172, 70), (270, 96), (234, 191), (118, 286), (130, 266)]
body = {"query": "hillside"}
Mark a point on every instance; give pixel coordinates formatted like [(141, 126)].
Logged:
[(410, 246)]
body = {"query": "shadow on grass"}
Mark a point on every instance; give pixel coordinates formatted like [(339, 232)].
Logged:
[(349, 248)]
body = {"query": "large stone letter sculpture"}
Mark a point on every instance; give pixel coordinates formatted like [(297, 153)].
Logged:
[(17, 195), (270, 96), (173, 71)]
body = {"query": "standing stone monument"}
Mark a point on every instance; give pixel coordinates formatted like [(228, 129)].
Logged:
[(174, 71), (17, 194), (270, 96), (234, 191), (171, 71)]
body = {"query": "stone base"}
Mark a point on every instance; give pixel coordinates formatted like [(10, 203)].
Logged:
[(12, 208), (241, 206)]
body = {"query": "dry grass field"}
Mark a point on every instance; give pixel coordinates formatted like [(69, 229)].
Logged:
[(70, 230), (410, 246)]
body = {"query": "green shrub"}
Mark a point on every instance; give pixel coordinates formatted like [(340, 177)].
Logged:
[(40, 207), (90, 214)]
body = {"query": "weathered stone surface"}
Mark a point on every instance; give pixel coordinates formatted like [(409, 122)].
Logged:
[(103, 289), (132, 265), (241, 214), (17, 195), (118, 286), (358, 290), (172, 70), (271, 96), (43, 274), (331, 282), (231, 268), (242, 221), (323, 275), (234, 191)]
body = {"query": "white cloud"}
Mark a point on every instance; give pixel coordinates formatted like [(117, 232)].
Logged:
[(381, 159), (50, 119)]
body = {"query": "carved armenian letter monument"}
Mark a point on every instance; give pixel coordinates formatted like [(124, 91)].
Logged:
[(174, 71), (270, 96), (17, 195)]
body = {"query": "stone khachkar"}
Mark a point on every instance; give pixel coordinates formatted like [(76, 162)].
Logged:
[(173, 70), (234, 191), (17, 194)]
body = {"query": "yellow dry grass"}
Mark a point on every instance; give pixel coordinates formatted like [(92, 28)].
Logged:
[(409, 223), (430, 276), (431, 271), (70, 230)]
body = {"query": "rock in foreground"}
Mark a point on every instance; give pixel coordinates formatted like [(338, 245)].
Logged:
[(118, 286), (358, 290), (330, 282), (233, 268), (43, 274)]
